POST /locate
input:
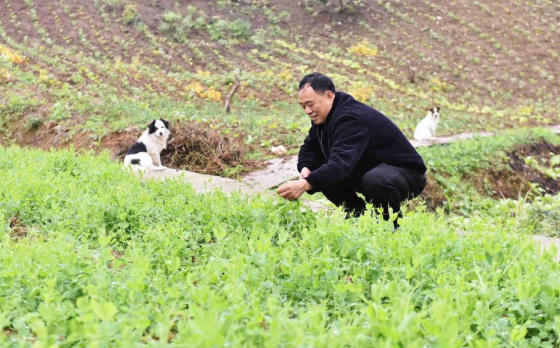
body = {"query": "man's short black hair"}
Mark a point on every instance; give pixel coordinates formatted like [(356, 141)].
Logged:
[(319, 82)]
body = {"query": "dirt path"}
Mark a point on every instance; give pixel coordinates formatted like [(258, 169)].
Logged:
[(203, 183)]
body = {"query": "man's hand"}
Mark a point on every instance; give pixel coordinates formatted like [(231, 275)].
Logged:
[(304, 173), (292, 190)]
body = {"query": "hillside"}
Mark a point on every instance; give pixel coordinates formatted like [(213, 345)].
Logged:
[(91, 73), (93, 256)]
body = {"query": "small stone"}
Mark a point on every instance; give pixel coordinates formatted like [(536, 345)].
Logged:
[(279, 150)]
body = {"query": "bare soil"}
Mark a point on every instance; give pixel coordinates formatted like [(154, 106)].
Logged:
[(524, 173), (510, 43), (511, 183)]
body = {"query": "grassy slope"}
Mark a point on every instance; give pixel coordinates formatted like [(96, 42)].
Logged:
[(488, 65)]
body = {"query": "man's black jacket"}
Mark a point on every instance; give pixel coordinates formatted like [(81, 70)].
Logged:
[(354, 139)]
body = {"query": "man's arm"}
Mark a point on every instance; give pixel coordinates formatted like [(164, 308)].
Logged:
[(350, 140), (304, 173), (292, 190), (310, 155)]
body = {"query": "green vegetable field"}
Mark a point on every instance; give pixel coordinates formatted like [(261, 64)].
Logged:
[(92, 257)]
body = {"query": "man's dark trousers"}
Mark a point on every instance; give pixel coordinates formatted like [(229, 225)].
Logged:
[(383, 186)]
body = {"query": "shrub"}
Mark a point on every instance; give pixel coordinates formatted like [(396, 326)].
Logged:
[(177, 26), (130, 14), (172, 25), (221, 29)]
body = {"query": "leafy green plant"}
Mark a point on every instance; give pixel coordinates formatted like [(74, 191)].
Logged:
[(33, 123), (93, 256), (221, 29), (454, 165), (178, 26), (553, 168), (172, 24), (130, 14)]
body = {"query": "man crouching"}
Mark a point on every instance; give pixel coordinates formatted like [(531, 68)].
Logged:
[(352, 148)]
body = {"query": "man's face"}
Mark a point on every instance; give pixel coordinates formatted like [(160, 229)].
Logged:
[(316, 105)]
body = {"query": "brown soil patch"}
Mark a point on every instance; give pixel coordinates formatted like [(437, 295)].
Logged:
[(526, 173), (432, 194), (401, 30), (18, 231), (432, 30), (45, 137), (119, 143), (9, 331), (511, 183)]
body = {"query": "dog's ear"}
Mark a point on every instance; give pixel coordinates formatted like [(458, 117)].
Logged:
[(152, 127), (437, 108), (166, 123)]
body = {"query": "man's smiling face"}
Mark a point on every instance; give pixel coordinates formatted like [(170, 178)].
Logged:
[(316, 105)]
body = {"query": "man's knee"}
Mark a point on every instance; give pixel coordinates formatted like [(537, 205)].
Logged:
[(384, 183), (345, 196), (372, 188), (375, 183)]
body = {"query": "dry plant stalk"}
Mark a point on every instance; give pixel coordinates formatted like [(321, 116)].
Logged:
[(232, 92), (206, 151), (411, 74)]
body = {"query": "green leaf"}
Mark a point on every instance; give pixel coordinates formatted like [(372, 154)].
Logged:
[(105, 311), (518, 333)]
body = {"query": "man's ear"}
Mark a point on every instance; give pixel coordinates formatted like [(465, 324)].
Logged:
[(330, 95), (152, 127)]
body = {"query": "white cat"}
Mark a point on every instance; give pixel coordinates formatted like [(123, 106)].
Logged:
[(426, 129)]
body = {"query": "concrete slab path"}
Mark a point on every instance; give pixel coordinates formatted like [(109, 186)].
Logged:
[(203, 183), (280, 170)]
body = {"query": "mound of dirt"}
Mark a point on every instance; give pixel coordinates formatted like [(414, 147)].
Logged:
[(194, 147)]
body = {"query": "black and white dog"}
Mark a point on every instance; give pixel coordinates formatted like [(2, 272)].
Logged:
[(145, 153)]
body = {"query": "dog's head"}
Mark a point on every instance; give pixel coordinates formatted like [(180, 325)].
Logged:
[(434, 112), (159, 128)]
